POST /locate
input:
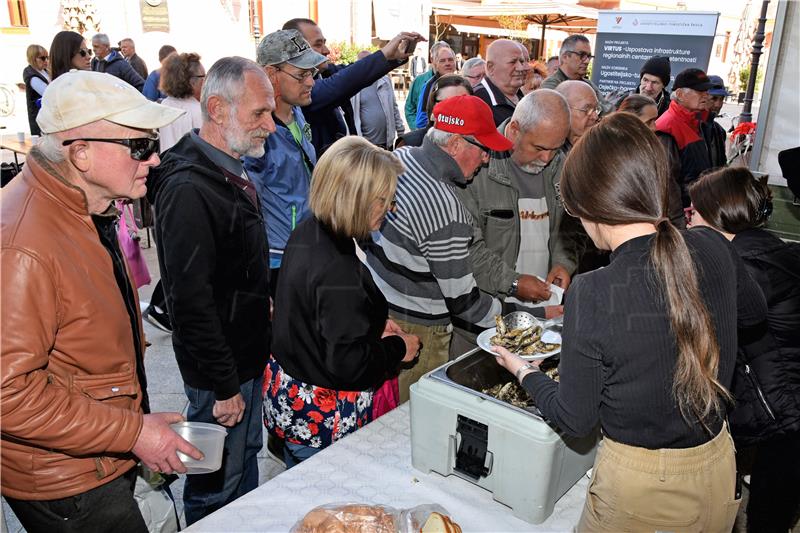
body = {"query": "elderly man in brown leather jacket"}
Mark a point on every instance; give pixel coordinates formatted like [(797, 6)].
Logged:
[(74, 400)]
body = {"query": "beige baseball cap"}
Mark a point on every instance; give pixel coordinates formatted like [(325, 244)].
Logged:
[(81, 97)]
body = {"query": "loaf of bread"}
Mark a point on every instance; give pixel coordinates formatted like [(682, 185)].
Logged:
[(348, 519), (439, 523)]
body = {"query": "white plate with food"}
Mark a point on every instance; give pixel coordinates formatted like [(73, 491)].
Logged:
[(522, 335)]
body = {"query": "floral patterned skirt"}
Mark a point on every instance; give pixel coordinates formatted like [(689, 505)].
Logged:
[(309, 415)]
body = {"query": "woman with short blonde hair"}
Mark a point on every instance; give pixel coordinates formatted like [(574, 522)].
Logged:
[(333, 343), (347, 184), (36, 78)]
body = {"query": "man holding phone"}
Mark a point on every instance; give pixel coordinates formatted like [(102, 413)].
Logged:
[(330, 113)]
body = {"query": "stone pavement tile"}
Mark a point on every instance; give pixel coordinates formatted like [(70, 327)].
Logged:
[(163, 377), (268, 468), (168, 403)]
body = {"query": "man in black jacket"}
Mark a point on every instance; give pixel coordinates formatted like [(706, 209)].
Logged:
[(128, 50), (330, 113), (107, 60), (654, 78), (506, 70), (214, 265)]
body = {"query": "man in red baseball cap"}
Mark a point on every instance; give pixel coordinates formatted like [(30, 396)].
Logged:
[(420, 257)]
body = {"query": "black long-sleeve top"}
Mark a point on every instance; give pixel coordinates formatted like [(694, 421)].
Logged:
[(329, 314), (619, 354)]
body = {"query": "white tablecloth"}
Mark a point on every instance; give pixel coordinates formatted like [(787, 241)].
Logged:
[(373, 465)]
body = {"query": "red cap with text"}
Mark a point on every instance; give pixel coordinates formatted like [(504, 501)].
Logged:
[(469, 115)]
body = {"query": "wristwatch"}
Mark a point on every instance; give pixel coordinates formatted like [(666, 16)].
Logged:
[(514, 287), (523, 368)]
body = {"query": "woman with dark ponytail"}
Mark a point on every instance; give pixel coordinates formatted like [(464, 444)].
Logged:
[(649, 344)]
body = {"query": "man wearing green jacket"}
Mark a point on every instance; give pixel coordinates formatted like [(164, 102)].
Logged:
[(414, 93), (521, 232)]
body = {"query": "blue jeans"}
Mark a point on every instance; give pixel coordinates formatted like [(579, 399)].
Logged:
[(294, 454), (205, 493)]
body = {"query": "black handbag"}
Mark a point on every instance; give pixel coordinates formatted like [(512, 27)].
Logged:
[(143, 213)]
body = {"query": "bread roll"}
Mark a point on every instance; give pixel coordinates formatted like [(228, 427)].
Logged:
[(439, 523)]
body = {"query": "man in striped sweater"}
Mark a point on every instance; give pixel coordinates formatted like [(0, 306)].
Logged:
[(420, 257)]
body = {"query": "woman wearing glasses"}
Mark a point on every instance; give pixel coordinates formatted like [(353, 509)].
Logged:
[(68, 51), (333, 343), (649, 344), (36, 79)]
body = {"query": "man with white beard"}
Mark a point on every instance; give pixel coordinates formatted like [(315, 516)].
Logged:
[(214, 266), (521, 233)]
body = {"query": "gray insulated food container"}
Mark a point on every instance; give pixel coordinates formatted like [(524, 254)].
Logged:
[(512, 452)]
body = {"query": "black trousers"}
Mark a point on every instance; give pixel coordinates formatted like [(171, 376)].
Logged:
[(774, 480), (107, 508), (157, 298)]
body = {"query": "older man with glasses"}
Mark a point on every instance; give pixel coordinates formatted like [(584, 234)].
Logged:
[(330, 113), (584, 109), (76, 419), (474, 70), (282, 174), (574, 59), (522, 242), (681, 127), (420, 257)]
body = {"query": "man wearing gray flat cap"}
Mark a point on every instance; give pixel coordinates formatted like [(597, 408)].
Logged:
[(283, 174)]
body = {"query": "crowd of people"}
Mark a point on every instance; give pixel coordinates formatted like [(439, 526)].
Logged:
[(317, 259)]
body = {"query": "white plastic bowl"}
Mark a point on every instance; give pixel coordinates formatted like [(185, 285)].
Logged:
[(209, 439)]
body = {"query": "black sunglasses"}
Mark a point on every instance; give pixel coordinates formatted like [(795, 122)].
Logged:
[(141, 148), (85, 52), (44, 58), (485, 150)]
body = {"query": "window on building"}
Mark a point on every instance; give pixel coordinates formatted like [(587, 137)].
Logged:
[(17, 13)]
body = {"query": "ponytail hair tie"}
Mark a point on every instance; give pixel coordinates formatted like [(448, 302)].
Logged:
[(662, 222)]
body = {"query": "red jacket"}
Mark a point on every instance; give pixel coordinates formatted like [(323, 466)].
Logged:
[(683, 126)]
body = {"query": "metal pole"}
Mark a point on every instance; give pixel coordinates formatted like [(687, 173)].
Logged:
[(256, 28), (542, 47), (758, 41)]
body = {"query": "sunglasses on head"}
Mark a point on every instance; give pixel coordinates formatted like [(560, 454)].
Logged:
[(141, 148), (85, 52)]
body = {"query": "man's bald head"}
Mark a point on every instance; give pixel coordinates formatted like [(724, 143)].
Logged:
[(582, 102), (573, 89), (507, 66), (500, 48), (544, 108)]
